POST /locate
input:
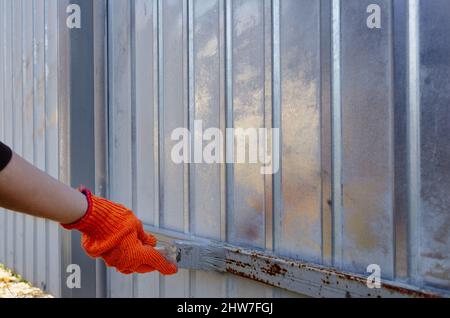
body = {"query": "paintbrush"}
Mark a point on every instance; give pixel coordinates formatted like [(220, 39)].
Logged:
[(203, 256)]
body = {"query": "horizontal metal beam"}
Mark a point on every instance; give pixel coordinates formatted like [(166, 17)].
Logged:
[(303, 278)]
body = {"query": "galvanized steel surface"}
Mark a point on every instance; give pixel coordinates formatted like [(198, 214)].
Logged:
[(363, 114), (29, 124)]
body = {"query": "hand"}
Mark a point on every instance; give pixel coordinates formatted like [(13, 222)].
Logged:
[(114, 233)]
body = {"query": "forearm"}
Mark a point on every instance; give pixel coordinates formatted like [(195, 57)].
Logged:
[(26, 189), (109, 230)]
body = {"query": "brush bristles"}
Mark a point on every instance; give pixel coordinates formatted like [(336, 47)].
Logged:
[(201, 256)]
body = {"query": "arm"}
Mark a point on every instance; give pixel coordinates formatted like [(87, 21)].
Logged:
[(26, 189), (109, 230)]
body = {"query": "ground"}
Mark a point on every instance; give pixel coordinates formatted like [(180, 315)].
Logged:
[(14, 286)]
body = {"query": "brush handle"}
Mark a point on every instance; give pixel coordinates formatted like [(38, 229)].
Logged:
[(169, 251)]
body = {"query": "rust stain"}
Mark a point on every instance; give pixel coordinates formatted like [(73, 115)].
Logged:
[(252, 277), (409, 292), (274, 270), (389, 287), (240, 264), (331, 277)]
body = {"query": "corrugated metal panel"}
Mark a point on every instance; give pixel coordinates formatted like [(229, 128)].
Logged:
[(363, 118), (29, 123), (363, 115), (434, 98), (367, 138)]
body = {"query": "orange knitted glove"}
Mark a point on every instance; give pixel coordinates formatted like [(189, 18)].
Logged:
[(114, 233)]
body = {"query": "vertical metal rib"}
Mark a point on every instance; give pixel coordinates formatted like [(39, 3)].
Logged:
[(337, 133), (35, 125), (189, 115), (276, 118), (13, 216), (223, 122), (101, 123), (390, 272), (229, 107), (64, 137), (47, 144), (413, 139), (268, 118), (229, 144), (155, 108), (161, 112), (160, 126), (133, 123), (325, 132)]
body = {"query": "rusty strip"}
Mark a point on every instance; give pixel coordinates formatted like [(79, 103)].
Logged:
[(303, 278)]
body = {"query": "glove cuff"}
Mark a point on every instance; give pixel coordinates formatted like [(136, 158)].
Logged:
[(102, 217), (79, 224)]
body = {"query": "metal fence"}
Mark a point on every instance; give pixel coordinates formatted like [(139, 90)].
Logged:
[(358, 88), (29, 123)]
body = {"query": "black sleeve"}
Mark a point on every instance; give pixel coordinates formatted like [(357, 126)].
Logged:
[(5, 155)]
